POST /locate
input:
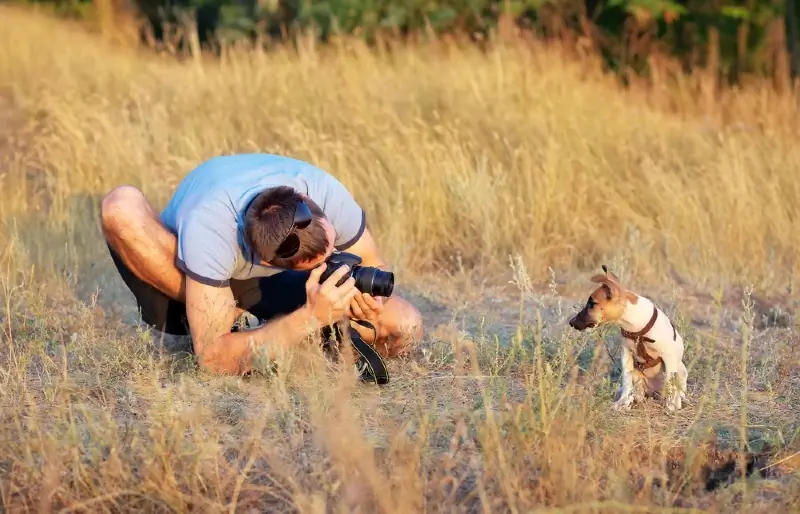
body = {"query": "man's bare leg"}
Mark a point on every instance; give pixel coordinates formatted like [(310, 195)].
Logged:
[(133, 229)]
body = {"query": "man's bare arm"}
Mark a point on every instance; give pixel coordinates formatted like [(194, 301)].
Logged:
[(367, 249), (211, 312)]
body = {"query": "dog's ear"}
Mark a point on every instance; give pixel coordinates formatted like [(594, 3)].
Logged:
[(600, 279), (610, 274), (612, 288)]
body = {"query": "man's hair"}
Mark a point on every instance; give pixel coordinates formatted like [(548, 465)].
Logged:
[(267, 222)]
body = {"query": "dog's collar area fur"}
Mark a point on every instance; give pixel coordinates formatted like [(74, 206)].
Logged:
[(640, 337)]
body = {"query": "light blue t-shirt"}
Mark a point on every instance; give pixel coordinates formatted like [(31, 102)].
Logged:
[(206, 213)]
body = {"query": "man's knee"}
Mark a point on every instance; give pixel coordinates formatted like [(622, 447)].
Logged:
[(120, 206), (411, 323), (407, 323)]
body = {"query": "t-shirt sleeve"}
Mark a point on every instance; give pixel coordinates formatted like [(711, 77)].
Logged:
[(344, 213), (206, 250)]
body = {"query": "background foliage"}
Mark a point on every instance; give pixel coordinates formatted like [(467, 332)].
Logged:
[(730, 38)]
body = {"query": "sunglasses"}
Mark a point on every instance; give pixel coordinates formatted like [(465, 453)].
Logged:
[(291, 243)]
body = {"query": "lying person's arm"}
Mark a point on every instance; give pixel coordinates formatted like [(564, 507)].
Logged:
[(211, 312)]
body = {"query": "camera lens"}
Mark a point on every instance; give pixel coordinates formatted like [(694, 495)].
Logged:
[(373, 281)]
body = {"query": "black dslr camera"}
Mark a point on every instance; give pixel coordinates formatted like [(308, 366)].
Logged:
[(371, 281)]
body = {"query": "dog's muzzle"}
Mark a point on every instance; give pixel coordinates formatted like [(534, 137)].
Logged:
[(580, 325)]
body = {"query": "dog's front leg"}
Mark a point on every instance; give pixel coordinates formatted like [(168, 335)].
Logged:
[(639, 385), (673, 388), (683, 374), (626, 388)]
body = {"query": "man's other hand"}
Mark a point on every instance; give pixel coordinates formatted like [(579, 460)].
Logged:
[(327, 302), (366, 307)]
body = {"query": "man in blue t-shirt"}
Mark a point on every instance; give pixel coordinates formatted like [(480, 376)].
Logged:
[(227, 244)]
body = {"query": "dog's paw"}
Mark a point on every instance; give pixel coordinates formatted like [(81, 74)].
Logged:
[(624, 403), (674, 404)]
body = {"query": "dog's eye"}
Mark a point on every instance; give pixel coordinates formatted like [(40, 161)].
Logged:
[(590, 302)]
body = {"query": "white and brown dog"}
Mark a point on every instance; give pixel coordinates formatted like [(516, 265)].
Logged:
[(652, 350)]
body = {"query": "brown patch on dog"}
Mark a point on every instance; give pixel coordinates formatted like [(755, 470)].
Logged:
[(605, 304)]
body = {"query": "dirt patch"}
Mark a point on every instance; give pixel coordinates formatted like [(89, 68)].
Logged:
[(713, 466)]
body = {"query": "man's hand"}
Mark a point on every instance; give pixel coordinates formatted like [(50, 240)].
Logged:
[(326, 302), (365, 307)]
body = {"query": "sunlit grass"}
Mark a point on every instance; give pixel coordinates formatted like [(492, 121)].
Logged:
[(460, 159)]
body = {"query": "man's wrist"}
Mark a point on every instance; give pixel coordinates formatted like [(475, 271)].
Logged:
[(308, 319)]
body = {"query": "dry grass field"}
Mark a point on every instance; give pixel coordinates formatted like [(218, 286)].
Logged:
[(496, 183)]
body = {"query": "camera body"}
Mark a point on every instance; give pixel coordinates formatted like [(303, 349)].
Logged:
[(369, 280)]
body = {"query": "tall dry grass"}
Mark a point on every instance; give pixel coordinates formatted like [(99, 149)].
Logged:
[(452, 153), (460, 159)]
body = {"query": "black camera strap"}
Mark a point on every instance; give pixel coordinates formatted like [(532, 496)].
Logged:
[(371, 364)]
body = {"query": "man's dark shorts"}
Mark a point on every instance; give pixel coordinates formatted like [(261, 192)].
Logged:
[(265, 298)]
